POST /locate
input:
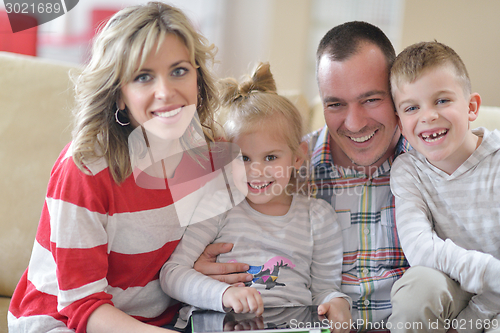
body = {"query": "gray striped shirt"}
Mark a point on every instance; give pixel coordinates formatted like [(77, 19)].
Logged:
[(452, 222), (301, 251)]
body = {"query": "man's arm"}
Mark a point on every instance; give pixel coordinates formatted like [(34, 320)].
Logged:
[(230, 273)]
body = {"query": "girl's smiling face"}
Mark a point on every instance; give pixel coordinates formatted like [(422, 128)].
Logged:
[(269, 163), (162, 95)]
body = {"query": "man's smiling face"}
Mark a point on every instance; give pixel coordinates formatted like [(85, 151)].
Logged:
[(358, 107)]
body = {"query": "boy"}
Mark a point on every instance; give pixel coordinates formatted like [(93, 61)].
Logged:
[(447, 189)]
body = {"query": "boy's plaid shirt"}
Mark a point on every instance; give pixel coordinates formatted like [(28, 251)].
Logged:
[(373, 258)]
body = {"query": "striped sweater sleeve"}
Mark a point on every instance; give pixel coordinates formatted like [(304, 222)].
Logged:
[(181, 281), (422, 246)]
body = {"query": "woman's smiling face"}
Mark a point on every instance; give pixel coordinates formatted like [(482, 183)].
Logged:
[(162, 95)]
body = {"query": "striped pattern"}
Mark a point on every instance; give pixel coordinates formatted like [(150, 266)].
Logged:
[(452, 222), (373, 259), (308, 236), (97, 243)]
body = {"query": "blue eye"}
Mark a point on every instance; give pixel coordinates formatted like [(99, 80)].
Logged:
[(245, 158), (180, 71), (334, 105), (143, 78), (411, 109), (270, 158), (442, 101)]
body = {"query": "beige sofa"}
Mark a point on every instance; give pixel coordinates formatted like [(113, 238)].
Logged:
[(35, 107), (35, 103)]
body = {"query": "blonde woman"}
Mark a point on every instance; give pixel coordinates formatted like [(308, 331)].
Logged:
[(103, 236)]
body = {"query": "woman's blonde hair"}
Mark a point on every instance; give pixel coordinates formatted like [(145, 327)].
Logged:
[(122, 46), (255, 103)]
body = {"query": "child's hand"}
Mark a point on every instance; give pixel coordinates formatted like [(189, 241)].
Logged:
[(337, 311), (243, 300)]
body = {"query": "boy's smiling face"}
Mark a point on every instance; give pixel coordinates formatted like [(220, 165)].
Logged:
[(434, 114)]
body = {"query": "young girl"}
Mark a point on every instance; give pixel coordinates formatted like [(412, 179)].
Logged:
[(103, 236), (292, 243)]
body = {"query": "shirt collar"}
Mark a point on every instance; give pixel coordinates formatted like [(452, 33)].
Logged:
[(321, 152)]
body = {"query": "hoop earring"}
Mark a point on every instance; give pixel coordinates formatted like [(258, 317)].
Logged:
[(118, 120), (200, 103)]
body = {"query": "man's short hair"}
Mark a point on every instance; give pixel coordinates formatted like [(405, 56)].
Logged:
[(343, 41)]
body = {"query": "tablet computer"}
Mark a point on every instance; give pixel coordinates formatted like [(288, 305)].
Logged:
[(278, 319)]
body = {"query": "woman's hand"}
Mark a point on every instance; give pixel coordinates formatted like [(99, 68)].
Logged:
[(231, 273), (338, 312)]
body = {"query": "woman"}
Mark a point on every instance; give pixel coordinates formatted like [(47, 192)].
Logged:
[(103, 234)]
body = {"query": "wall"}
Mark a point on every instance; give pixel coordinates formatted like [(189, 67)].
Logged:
[(66, 38), (325, 14), (289, 47), (471, 28), (273, 31), (243, 36), (286, 33)]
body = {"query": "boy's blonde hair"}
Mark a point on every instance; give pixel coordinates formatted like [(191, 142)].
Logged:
[(414, 60), (125, 42), (255, 103)]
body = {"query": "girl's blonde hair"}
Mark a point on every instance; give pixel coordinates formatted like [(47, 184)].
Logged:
[(255, 103), (120, 48)]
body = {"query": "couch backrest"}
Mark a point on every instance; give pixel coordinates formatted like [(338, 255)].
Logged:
[(489, 117), (36, 98)]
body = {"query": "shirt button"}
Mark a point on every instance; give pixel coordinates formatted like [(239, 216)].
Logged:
[(366, 231), (364, 271), (366, 302)]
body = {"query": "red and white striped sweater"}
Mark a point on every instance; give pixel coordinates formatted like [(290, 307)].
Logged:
[(97, 242)]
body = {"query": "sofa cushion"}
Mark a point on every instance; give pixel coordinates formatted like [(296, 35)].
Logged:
[(4, 305), (489, 117), (36, 98)]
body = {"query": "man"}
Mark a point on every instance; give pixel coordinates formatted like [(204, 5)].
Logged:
[(351, 160)]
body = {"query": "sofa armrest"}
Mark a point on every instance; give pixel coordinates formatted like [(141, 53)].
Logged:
[(35, 102)]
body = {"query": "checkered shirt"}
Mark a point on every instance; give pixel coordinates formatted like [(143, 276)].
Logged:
[(373, 258)]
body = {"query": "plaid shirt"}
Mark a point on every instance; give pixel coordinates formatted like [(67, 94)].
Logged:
[(373, 258)]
